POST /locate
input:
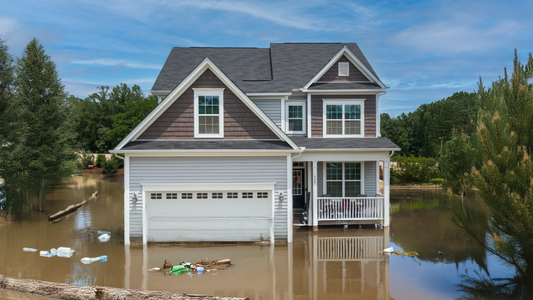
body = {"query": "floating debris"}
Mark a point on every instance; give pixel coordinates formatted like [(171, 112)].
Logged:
[(205, 265)]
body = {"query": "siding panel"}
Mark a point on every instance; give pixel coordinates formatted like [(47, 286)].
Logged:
[(317, 111), (208, 170), (177, 122), (272, 108), (332, 75)]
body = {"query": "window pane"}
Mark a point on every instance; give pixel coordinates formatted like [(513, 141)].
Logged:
[(208, 125), (295, 111), (208, 105), (352, 188), (333, 171), (334, 127), (297, 182), (295, 125), (352, 171), (352, 112), (334, 188), (334, 112), (352, 127)]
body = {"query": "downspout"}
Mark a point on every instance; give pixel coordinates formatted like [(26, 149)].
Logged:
[(302, 149), (390, 156), (123, 157)]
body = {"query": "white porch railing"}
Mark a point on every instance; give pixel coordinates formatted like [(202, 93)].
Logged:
[(349, 248), (356, 208)]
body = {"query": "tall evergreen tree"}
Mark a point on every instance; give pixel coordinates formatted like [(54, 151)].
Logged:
[(47, 136), (505, 178)]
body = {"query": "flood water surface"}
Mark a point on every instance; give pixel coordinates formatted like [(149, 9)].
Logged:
[(330, 264)]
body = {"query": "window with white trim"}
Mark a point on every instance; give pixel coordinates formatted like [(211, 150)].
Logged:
[(156, 196), (208, 113), (186, 195), (295, 117), (233, 195), (343, 179), (247, 195), (201, 195), (216, 195), (343, 118), (344, 69), (262, 194)]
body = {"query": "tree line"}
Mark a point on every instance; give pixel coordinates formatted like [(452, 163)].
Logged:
[(41, 126)]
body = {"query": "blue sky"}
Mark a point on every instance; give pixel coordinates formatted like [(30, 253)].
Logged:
[(423, 50)]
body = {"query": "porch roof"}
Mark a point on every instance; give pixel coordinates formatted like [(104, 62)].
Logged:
[(381, 143), (204, 144)]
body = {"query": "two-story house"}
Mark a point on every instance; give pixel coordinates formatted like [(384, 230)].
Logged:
[(243, 137)]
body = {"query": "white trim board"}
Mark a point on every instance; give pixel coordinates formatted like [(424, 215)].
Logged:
[(354, 60), (184, 85)]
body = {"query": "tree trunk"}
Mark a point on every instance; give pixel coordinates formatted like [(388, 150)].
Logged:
[(77, 292)]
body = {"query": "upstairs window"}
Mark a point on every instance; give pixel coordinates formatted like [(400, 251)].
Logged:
[(343, 118), (344, 69), (295, 117), (208, 113)]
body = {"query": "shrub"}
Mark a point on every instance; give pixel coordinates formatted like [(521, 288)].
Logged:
[(110, 166), (87, 158), (437, 180), (118, 161), (100, 160), (419, 169)]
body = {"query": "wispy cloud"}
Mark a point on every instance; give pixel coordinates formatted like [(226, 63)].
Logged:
[(115, 63)]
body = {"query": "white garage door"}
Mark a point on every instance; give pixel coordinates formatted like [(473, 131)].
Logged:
[(206, 216)]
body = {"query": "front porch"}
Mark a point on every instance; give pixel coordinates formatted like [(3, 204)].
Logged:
[(347, 192)]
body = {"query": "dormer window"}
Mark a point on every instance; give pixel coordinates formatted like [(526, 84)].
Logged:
[(344, 69), (208, 113), (343, 118)]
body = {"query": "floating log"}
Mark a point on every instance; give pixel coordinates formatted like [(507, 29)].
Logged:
[(72, 208), (77, 292)]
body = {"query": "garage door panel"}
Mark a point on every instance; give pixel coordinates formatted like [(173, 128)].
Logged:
[(211, 219), (200, 224), (170, 208)]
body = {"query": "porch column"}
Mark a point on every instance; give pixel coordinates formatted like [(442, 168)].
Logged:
[(315, 196), (386, 193)]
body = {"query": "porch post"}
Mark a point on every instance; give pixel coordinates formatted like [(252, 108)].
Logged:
[(315, 196), (386, 193)]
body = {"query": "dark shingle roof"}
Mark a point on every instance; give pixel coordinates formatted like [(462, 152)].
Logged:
[(207, 145), (280, 68), (343, 86), (345, 143)]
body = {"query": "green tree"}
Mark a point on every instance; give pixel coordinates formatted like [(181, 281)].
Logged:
[(46, 136), (456, 159), (505, 178)]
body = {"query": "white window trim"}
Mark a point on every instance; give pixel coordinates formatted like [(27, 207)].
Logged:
[(325, 174), (342, 102), (303, 103), (347, 69), (209, 92)]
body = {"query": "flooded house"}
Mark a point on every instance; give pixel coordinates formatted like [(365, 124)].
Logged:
[(246, 140)]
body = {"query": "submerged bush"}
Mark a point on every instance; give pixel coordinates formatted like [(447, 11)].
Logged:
[(87, 159), (110, 166), (100, 160)]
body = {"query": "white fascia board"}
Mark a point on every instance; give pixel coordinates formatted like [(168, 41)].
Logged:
[(268, 94), (330, 92), (357, 63), (203, 152), (182, 87), (353, 150)]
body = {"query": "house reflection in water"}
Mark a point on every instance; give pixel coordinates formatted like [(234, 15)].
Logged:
[(329, 264), (341, 265)]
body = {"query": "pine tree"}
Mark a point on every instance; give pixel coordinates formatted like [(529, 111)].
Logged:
[(505, 178), (47, 136)]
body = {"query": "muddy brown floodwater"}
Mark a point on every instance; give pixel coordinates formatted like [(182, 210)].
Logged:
[(330, 264)]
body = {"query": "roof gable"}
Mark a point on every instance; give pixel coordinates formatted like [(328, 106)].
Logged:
[(345, 51), (184, 85)]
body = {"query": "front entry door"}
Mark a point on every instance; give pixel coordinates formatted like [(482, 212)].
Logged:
[(298, 188)]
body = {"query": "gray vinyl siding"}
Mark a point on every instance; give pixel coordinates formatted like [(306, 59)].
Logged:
[(370, 178), (320, 178), (271, 107), (246, 169)]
